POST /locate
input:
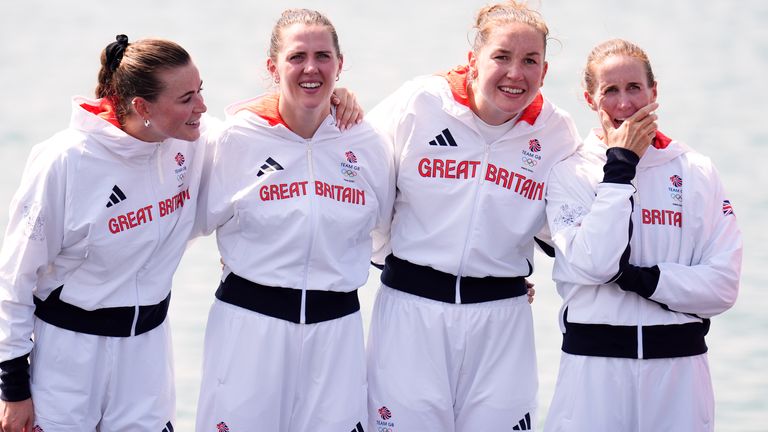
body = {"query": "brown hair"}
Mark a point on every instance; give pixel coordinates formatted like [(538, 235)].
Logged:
[(511, 11), (299, 16), (614, 47), (129, 70)]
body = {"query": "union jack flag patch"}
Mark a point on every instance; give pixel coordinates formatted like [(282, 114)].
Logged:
[(179, 159), (727, 209), (351, 158), (676, 180)]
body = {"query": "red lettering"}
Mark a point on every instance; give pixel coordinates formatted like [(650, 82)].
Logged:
[(490, 173), (438, 166), (474, 165), (425, 168), (678, 220), (519, 178), (124, 225), (450, 169), (264, 193), (132, 219), (503, 178), (284, 191), (114, 227)]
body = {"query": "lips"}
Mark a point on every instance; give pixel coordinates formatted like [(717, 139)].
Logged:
[(310, 85)]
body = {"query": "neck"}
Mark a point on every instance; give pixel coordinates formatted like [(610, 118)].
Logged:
[(134, 127), (303, 122)]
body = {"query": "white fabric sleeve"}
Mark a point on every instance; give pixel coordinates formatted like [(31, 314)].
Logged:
[(33, 238), (385, 191), (589, 227)]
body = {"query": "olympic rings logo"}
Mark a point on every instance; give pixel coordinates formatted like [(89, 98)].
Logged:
[(676, 196), (349, 172), (531, 162)]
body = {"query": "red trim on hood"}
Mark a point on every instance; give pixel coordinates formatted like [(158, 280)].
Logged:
[(457, 80), (661, 141), (105, 110), (266, 107)]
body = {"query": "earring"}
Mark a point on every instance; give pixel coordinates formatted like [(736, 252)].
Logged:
[(277, 79), (337, 77), (147, 123)]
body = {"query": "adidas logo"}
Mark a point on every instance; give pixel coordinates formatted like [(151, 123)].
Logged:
[(444, 139), (524, 424), (358, 428), (270, 166), (116, 197), (168, 427)]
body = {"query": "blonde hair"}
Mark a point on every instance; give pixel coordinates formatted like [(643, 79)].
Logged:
[(507, 12), (614, 47), (299, 16)]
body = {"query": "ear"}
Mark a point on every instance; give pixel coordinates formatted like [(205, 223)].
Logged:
[(590, 101), (141, 106), (472, 61), (341, 64), (544, 73), (655, 91), (272, 69)]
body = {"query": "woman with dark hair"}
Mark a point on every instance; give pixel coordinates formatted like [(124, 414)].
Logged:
[(96, 231)]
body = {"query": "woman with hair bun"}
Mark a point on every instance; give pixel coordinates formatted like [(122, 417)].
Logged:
[(451, 344), (96, 231), (647, 251)]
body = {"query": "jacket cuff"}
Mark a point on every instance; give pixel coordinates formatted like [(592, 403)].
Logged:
[(14, 379), (620, 166), (640, 280)]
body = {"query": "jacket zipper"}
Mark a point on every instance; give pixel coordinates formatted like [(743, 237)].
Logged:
[(156, 156), (636, 248), (310, 244), (479, 184)]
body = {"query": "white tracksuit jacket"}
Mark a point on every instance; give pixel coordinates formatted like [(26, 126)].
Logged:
[(466, 207), (297, 213), (683, 262), (100, 213)]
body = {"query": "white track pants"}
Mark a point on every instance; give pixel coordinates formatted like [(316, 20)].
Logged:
[(435, 366), (83, 383), (266, 374), (629, 395)]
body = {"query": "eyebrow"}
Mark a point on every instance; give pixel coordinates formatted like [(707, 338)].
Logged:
[(191, 91), (506, 51)]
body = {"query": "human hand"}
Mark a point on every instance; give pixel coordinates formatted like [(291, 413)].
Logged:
[(17, 416), (531, 291), (348, 111), (636, 133)]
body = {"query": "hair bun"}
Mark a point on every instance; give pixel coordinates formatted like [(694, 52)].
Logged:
[(115, 51)]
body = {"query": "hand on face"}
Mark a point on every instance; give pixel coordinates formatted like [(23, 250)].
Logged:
[(636, 133)]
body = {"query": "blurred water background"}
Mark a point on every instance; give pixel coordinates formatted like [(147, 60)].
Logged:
[(710, 58)]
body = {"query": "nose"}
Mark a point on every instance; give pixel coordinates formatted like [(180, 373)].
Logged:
[(624, 101), (310, 66), (514, 72), (200, 104)]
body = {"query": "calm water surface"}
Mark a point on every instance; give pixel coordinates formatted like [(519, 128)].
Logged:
[(710, 59)]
